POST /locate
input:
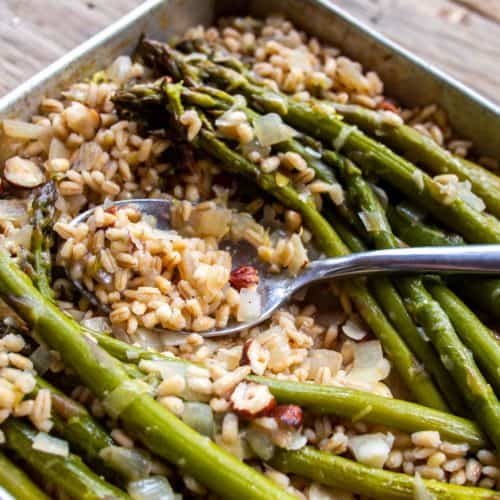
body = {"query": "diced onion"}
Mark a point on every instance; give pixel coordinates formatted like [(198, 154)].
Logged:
[(148, 339), (250, 305), (50, 444), (215, 222), (270, 129), (23, 130), (41, 359), (299, 58), (294, 440), (120, 398), (165, 368), (260, 443), (128, 462), (299, 255), (339, 141), (418, 177), (324, 358), (369, 365), (200, 417), (13, 210), (354, 329), (373, 221), (465, 193), (371, 449), (98, 324), (151, 488), (120, 69), (420, 491)]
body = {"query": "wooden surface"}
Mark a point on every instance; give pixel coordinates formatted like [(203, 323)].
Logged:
[(460, 36)]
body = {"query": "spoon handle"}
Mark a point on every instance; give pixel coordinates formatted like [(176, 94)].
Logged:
[(476, 259)]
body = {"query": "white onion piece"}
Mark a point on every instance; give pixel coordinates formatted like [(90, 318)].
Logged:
[(369, 365), (299, 259), (420, 491), (213, 222), (23, 173), (13, 210), (23, 130), (299, 58), (353, 329), (200, 417), (339, 141), (292, 440), (418, 177), (120, 69), (148, 339), (260, 443), (50, 444), (151, 488), (250, 305), (465, 193), (129, 462), (98, 324), (41, 359), (324, 358), (22, 236), (165, 368), (373, 221), (270, 129), (371, 449)]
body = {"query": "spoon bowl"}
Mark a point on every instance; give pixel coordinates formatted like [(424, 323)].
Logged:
[(276, 288)]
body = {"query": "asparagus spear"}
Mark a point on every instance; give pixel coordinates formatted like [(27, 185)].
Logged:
[(394, 413), (158, 430), (477, 337), (407, 224), (70, 475), (16, 482), (361, 197), (457, 360), (346, 474), (43, 208), (482, 292), (404, 362), (327, 239), (409, 142), (73, 423), (370, 155), (331, 400)]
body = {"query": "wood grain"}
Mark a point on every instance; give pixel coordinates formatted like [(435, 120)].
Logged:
[(454, 37)]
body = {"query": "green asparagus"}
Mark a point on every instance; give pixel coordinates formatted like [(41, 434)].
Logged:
[(43, 209), (424, 150), (477, 337), (456, 358), (16, 482), (326, 238), (158, 430), (330, 400), (68, 474), (482, 292), (345, 474), (322, 122), (361, 196)]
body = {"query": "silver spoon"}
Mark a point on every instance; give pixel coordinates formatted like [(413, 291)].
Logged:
[(275, 289)]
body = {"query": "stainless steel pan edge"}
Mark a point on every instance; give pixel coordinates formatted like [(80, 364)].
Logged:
[(406, 77)]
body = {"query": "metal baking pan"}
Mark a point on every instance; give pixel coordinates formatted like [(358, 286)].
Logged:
[(406, 77)]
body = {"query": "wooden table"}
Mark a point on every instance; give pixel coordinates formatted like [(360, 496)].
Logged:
[(460, 36)]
